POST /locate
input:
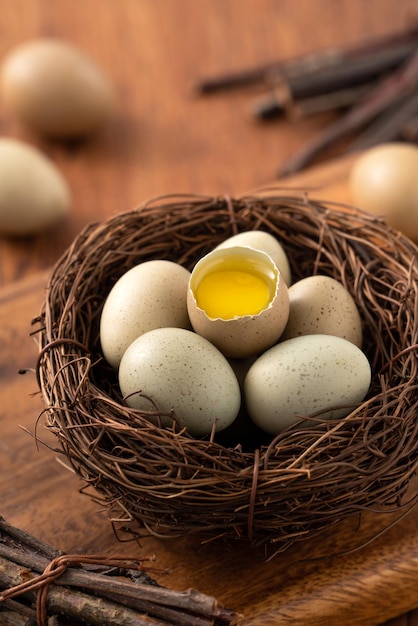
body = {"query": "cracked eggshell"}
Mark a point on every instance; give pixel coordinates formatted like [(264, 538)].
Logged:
[(179, 371), (246, 335), (322, 305), (303, 376), (151, 295), (266, 242)]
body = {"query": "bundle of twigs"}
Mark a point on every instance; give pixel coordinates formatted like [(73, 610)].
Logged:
[(39, 582), (268, 490), (373, 86)]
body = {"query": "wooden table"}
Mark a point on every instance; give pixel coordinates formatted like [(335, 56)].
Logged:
[(164, 139)]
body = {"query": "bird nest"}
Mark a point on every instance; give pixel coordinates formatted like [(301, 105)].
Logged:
[(243, 484)]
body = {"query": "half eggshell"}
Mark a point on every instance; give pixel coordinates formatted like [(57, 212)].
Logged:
[(242, 335)]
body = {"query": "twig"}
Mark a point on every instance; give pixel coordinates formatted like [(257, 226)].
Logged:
[(271, 108), (389, 125), (61, 587), (389, 90), (388, 51), (368, 84), (11, 618), (74, 605), (19, 536), (348, 73), (410, 130)]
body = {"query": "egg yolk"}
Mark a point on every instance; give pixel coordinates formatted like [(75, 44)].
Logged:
[(230, 293)]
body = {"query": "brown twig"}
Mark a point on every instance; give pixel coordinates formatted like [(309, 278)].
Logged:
[(366, 84), (398, 84), (410, 130), (311, 71), (388, 126), (270, 108), (348, 73), (61, 587)]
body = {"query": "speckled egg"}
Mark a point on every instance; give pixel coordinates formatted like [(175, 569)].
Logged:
[(179, 372), (383, 180), (55, 88), (151, 295), (238, 300), (303, 376), (322, 305), (266, 242), (33, 193)]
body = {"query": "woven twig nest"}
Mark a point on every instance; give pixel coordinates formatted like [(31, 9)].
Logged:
[(263, 489)]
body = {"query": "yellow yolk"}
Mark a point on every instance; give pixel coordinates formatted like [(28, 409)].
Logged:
[(230, 293)]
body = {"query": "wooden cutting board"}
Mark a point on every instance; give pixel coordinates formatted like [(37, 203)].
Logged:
[(340, 577)]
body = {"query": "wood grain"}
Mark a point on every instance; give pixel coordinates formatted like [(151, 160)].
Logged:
[(163, 139)]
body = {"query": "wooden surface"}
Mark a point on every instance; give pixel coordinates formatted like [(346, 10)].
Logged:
[(163, 139)]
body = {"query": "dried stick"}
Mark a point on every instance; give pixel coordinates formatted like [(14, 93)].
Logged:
[(295, 109), (381, 55), (11, 618), (389, 90), (75, 605), (389, 125), (19, 536), (349, 73), (410, 130), (60, 587)]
